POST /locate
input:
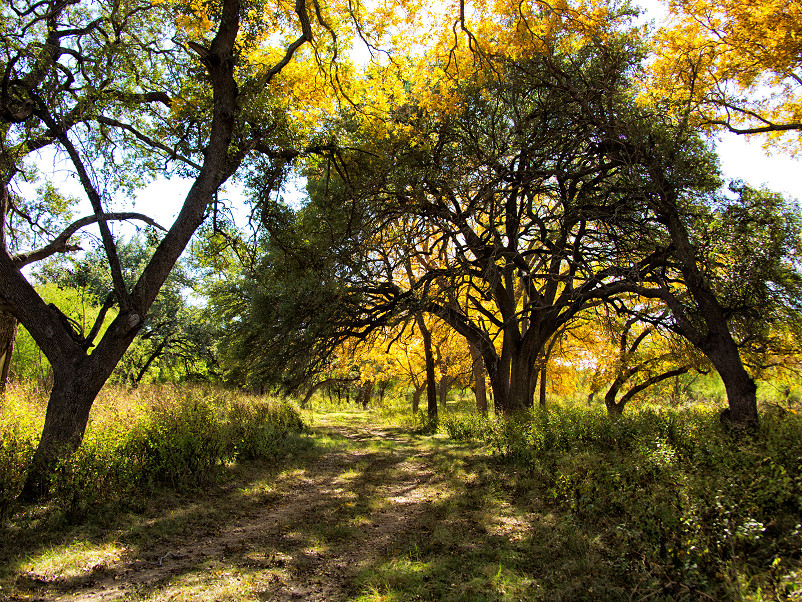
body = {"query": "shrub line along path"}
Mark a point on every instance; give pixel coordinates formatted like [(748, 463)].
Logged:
[(366, 512)]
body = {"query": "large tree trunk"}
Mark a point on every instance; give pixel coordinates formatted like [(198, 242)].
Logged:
[(431, 378), (480, 390), (75, 387), (8, 334), (741, 389), (521, 393)]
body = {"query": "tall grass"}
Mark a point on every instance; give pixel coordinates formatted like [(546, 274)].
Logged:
[(145, 438), (703, 509)]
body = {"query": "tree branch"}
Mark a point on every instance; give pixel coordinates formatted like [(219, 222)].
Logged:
[(147, 140), (59, 244)]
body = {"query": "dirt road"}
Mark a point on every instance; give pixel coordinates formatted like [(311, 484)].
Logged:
[(363, 512)]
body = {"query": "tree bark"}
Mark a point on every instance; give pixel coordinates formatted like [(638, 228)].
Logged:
[(431, 378), (480, 390), (741, 388), (717, 342), (8, 334), (76, 383)]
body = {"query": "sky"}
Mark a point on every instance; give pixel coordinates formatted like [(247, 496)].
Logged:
[(745, 158)]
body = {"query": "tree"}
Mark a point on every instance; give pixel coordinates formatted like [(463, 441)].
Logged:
[(639, 352), (512, 203), (639, 187), (737, 64), (656, 155), (103, 84)]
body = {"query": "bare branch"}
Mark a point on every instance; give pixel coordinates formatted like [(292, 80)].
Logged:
[(94, 199)]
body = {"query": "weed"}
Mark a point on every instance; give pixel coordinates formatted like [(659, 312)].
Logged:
[(667, 487), (142, 439)]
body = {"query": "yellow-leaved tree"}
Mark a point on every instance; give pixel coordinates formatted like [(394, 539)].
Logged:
[(734, 64)]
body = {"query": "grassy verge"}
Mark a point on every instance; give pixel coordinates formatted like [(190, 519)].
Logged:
[(143, 439), (562, 504), (666, 502)]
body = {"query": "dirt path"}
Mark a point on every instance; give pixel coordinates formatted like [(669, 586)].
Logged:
[(357, 513)]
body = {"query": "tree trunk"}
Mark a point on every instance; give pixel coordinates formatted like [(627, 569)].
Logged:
[(8, 334), (431, 378), (480, 390), (151, 359), (78, 377), (616, 408), (520, 393), (365, 394), (613, 408), (416, 397), (716, 342), (75, 387), (741, 389), (442, 390), (543, 382)]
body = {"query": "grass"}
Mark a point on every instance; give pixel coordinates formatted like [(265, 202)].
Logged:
[(559, 505)]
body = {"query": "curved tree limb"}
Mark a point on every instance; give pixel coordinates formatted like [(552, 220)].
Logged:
[(60, 243)]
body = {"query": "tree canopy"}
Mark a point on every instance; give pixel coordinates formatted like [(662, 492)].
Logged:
[(495, 169)]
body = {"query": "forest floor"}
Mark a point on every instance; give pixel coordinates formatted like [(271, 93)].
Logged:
[(365, 512)]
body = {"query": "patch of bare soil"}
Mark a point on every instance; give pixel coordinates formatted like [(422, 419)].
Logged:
[(301, 534)]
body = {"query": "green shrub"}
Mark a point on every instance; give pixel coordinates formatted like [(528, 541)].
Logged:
[(671, 489), (258, 429), (150, 437), (466, 427)]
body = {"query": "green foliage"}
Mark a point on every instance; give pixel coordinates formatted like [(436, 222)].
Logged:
[(78, 304), (466, 427), (145, 439), (258, 430), (175, 343), (672, 489)]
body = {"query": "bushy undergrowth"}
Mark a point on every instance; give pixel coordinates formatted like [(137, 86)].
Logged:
[(700, 508), (146, 438), (21, 420)]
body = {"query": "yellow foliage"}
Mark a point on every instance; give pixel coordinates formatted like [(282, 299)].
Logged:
[(736, 62)]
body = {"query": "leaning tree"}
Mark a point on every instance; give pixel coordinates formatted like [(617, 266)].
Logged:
[(119, 92)]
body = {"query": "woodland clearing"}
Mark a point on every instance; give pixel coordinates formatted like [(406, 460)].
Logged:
[(364, 511), (564, 505)]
